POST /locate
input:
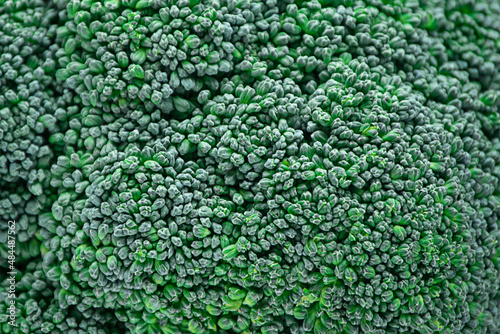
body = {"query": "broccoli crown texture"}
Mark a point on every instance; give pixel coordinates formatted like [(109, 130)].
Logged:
[(251, 166)]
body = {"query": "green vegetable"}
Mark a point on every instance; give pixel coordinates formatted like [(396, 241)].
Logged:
[(205, 166)]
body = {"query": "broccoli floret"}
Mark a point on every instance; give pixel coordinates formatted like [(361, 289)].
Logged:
[(28, 101), (37, 309), (253, 166)]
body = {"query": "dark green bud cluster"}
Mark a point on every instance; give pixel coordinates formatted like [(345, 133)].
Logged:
[(37, 311), (118, 55), (28, 99), (257, 166)]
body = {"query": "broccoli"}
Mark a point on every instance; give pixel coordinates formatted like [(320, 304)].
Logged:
[(39, 312), (223, 166)]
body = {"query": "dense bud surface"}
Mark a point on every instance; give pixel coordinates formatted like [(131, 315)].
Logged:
[(253, 166)]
